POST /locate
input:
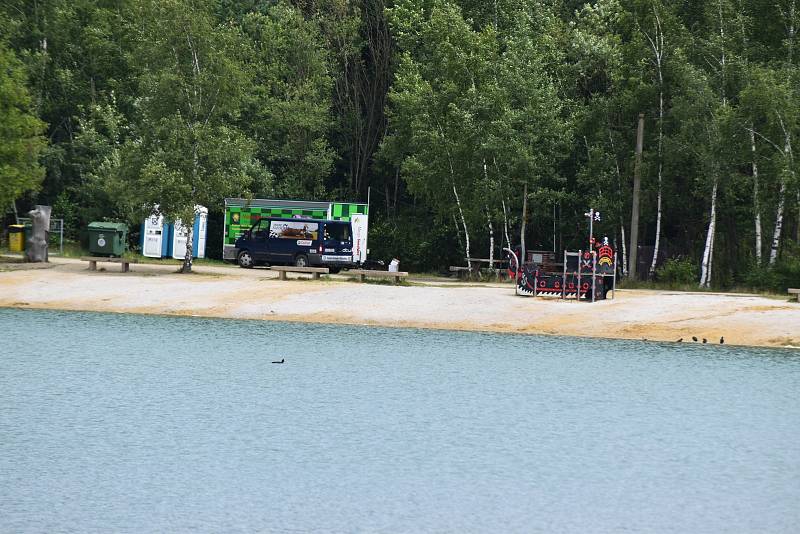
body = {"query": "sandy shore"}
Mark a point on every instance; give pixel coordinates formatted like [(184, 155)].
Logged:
[(257, 294)]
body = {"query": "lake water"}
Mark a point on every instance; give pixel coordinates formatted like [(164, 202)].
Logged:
[(125, 423)]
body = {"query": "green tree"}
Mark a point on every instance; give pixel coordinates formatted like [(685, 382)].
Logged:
[(21, 141), (192, 77), (287, 100)]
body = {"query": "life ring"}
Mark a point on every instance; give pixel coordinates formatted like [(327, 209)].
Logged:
[(571, 285), (557, 285), (585, 286), (542, 284)]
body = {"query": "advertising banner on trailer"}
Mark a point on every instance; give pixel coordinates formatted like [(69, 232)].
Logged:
[(241, 214)]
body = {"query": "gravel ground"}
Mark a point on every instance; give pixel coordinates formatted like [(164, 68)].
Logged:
[(431, 303)]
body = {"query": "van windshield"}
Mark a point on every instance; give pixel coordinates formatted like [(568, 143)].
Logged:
[(339, 232)]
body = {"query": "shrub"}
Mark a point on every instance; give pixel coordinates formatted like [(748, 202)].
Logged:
[(677, 271)]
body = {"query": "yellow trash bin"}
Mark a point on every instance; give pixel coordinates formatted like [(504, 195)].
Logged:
[(16, 238)]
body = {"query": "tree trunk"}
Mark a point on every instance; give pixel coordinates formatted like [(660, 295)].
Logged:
[(624, 262), (637, 184), (619, 192), (524, 223), (491, 239), (458, 232), (188, 258), (756, 204), (789, 160), (776, 235), (657, 44), (708, 253), (466, 230), (652, 271), (505, 223), (660, 166), (797, 230)]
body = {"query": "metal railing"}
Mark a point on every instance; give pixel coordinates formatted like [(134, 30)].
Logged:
[(56, 230)]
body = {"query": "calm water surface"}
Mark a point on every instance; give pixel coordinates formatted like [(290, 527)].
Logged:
[(124, 423)]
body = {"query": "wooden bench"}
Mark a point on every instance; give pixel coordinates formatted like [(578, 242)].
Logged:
[(793, 291), (283, 269), (466, 272), (461, 272), (125, 262), (361, 273)]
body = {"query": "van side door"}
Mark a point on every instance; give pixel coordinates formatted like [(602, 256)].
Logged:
[(259, 240)]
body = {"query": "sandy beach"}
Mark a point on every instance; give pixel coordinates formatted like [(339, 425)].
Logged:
[(216, 291)]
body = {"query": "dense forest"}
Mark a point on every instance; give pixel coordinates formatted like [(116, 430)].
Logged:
[(449, 115)]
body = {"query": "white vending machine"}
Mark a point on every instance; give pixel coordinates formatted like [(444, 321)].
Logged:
[(154, 242), (199, 232)]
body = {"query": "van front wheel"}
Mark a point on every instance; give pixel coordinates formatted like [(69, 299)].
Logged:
[(245, 259), (301, 260)]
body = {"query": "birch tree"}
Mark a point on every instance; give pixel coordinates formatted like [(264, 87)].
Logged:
[(771, 100), (657, 43), (192, 77)]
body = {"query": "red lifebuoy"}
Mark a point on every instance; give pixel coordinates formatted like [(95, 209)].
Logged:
[(585, 285), (557, 285), (542, 283)]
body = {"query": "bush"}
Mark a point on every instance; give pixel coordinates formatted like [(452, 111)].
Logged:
[(677, 271), (784, 274)]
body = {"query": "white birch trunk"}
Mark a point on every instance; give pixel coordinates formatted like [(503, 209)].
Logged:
[(458, 232), (789, 161), (708, 253), (624, 249), (189, 257), (491, 239), (621, 224), (463, 222), (658, 227), (523, 252), (657, 45), (756, 203), (505, 224), (776, 235)]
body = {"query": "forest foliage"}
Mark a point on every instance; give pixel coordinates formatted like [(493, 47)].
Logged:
[(441, 112)]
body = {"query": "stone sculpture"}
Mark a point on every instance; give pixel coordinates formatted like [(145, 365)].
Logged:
[(36, 246)]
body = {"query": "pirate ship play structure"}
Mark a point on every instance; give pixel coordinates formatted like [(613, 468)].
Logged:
[(586, 275)]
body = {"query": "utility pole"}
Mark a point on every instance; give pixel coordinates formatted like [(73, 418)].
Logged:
[(637, 183)]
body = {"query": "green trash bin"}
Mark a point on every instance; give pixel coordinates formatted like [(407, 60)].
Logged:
[(107, 238)]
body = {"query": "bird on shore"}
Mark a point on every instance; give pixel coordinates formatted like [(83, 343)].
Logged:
[(680, 340), (694, 338), (282, 360), (705, 340), (721, 340)]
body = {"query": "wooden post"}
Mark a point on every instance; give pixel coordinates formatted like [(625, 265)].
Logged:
[(282, 275), (637, 182)]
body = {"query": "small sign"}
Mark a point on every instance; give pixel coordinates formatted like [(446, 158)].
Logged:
[(304, 242), (100, 241)]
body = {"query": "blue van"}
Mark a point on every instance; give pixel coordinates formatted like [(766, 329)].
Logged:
[(299, 242)]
